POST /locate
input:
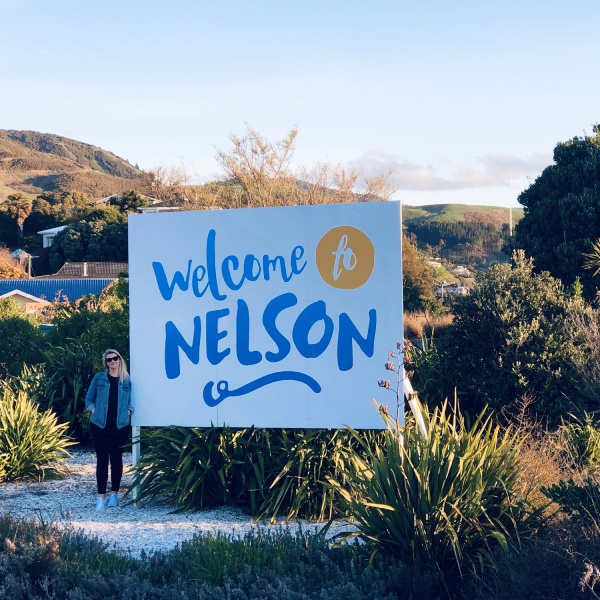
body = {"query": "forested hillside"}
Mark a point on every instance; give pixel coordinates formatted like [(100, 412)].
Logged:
[(460, 233)]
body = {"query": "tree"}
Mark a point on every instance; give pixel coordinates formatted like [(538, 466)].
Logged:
[(417, 279), (562, 212), (96, 322), (511, 338), (261, 171), (165, 184), (18, 208), (93, 241), (51, 209), (8, 268), (21, 338), (42, 217), (129, 202), (260, 167), (107, 213), (9, 231)]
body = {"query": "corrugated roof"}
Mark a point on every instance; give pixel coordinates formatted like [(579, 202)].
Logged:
[(50, 289), (89, 269)]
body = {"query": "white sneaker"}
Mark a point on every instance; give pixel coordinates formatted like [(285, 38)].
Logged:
[(100, 503), (113, 501)]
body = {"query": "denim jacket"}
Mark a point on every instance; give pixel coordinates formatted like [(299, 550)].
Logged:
[(97, 398)]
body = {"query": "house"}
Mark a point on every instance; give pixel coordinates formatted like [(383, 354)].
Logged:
[(461, 271), (433, 263), (156, 209), (91, 270), (451, 287), (154, 205), (33, 293), (71, 282), (24, 259), (30, 303), (48, 235), (119, 195), (459, 290), (49, 289)]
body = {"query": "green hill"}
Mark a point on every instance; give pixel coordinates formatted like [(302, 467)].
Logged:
[(455, 213)]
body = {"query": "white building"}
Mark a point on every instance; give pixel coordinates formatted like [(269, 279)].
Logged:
[(49, 234)]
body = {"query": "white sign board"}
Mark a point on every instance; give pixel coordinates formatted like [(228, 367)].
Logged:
[(272, 317)]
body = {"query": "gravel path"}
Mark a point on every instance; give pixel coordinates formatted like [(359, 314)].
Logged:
[(128, 529)]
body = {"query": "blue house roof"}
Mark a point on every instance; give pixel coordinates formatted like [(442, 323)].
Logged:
[(51, 289)]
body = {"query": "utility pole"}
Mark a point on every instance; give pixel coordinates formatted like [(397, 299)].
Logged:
[(510, 227)]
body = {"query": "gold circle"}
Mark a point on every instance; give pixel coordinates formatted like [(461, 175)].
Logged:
[(345, 257)]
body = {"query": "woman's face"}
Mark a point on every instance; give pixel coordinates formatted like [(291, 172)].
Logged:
[(113, 362)]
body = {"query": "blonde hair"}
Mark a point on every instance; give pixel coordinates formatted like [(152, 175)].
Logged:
[(123, 374)]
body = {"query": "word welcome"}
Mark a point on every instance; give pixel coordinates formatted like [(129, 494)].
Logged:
[(205, 278)]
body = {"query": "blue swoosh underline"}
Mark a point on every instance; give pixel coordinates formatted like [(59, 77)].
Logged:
[(224, 391)]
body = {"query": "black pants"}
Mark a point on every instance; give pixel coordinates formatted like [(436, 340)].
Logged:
[(109, 448)]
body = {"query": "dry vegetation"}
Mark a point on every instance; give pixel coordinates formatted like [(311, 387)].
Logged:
[(425, 325), (10, 268)]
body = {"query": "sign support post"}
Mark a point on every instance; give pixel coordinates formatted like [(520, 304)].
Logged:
[(135, 458)]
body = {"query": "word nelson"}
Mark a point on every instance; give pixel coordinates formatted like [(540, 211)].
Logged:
[(216, 278)]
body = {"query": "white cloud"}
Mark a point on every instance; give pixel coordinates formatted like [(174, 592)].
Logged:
[(493, 170)]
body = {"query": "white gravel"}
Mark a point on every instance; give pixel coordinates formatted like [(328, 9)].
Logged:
[(70, 503)]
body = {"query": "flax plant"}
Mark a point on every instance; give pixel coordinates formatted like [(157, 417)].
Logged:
[(270, 473), (70, 369), (447, 499), (31, 441), (307, 459), (202, 467), (578, 440)]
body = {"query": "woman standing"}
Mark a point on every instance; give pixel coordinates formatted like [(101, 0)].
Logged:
[(109, 402)]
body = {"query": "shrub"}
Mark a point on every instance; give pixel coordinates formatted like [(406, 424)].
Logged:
[(40, 562), (585, 322), (21, 338), (510, 337), (32, 381), (268, 472), (540, 464), (580, 502), (430, 370), (446, 500), (31, 442), (559, 563)]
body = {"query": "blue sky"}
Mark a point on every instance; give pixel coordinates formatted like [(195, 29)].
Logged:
[(465, 100)]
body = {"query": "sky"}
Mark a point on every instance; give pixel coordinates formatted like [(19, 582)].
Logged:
[(464, 100)]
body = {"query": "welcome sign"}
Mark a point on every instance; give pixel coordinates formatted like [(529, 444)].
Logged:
[(273, 317)]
